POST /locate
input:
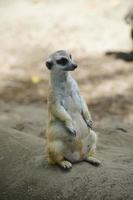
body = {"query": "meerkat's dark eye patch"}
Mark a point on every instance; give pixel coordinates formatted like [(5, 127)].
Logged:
[(62, 61), (70, 56)]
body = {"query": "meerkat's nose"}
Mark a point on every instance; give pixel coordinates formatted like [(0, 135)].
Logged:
[(75, 65)]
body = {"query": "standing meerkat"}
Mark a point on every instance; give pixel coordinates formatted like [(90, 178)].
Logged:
[(70, 137)]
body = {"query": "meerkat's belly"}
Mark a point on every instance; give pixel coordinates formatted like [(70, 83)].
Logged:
[(78, 149), (75, 148), (72, 105)]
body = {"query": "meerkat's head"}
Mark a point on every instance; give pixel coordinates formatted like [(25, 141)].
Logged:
[(61, 60)]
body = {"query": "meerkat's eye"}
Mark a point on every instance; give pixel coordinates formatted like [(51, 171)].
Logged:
[(70, 56), (62, 61)]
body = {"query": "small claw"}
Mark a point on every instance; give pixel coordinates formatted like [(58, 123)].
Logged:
[(71, 131), (89, 126), (66, 164), (90, 123), (74, 133)]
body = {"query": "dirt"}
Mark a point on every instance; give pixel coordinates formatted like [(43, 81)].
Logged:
[(105, 78), (25, 173)]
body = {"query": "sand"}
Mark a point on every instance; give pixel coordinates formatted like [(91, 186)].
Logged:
[(25, 173)]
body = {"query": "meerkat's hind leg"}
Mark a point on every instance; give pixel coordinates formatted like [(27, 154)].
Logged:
[(93, 160), (93, 141), (55, 155), (65, 164)]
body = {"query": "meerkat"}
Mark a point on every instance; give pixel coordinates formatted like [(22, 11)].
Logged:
[(129, 20), (70, 137)]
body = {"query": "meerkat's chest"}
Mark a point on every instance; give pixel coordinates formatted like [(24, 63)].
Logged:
[(71, 101)]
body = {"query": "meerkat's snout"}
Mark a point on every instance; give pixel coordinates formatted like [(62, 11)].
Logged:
[(74, 65), (71, 67)]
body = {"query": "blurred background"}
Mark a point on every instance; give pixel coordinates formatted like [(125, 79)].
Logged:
[(96, 34)]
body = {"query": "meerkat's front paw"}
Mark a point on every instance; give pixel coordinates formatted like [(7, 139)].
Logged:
[(90, 123), (71, 130), (65, 164)]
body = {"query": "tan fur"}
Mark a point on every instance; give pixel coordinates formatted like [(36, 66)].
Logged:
[(69, 137)]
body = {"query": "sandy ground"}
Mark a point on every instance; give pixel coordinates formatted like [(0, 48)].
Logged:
[(28, 33), (25, 173)]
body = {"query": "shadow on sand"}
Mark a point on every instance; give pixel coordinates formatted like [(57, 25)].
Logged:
[(126, 56)]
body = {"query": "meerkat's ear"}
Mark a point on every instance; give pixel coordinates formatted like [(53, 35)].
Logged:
[(49, 64)]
